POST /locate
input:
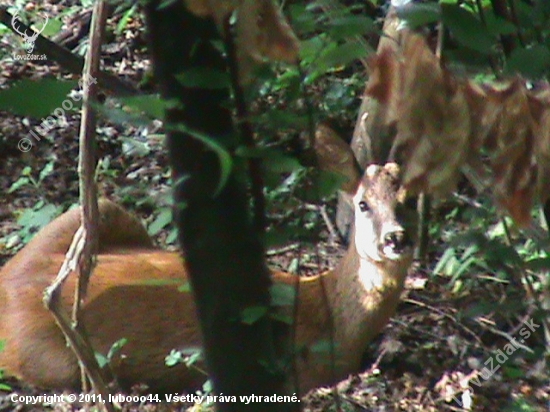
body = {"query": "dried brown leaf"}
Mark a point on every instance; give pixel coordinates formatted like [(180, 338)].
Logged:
[(263, 33), (442, 122), (335, 155), (276, 40), (510, 144), (484, 106), (434, 122), (377, 124), (540, 107), (383, 82), (262, 30)]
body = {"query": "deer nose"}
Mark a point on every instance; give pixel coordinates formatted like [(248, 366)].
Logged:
[(395, 242)]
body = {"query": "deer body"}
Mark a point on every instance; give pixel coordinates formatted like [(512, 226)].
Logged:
[(133, 294)]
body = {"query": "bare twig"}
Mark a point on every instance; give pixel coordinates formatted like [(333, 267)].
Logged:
[(282, 250), (85, 242), (52, 296), (507, 336), (445, 315), (333, 232)]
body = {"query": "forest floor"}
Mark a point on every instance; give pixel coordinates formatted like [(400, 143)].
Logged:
[(431, 355)]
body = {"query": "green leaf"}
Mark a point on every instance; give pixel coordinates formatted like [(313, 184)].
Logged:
[(285, 119), (293, 266), (152, 105), (175, 357), (446, 262), (498, 26), (37, 219), (289, 80), (37, 98), (19, 183), (415, 15), (192, 356), (46, 171), (279, 237), (303, 21), (163, 219), (172, 237), (121, 26), (121, 117), (252, 314), (272, 159), (326, 184), (52, 28), (513, 372), (464, 265), (281, 317), (134, 147), (204, 78), (310, 49), (185, 287), (116, 347), (349, 26), (339, 55), (101, 359), (538, 264), (282, 294), (189, 357), (467, 29), (208, 387), (226, 162), (532, 62)]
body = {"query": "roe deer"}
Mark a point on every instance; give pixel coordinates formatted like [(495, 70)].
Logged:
[(133, 294)]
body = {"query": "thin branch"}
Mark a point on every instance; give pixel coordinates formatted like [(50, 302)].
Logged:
[(85, 241), (52, 299), (86, 170)]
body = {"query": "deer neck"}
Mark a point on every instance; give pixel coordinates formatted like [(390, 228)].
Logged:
[(363, 297)]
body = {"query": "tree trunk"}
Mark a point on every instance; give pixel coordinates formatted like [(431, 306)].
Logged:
[(224, 255)]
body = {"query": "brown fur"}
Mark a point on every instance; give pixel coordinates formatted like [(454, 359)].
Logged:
[(133, 294)]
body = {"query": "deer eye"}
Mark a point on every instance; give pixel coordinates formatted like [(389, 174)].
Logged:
[(363, 206)]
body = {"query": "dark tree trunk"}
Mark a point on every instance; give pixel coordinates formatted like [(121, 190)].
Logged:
[(224, 255)]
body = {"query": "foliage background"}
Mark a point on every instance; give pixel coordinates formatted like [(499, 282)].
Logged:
[(482, 277)]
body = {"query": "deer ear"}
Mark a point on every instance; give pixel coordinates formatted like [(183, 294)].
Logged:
[(335, 155), (393, 169)]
